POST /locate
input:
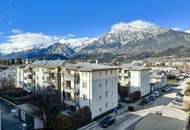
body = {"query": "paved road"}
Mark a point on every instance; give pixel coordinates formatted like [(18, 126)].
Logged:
[(126, 120), (9, 122)]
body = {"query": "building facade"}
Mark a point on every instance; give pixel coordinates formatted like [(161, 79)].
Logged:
[(82, 84), (137, 78), (91, 85)]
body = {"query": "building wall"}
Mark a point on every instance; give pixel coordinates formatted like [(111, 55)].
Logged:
[(140, 80), (38, 123), (101, 91)]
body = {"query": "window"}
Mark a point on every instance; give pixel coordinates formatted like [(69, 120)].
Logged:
[(106, 82), (100, 109), (84, 85), (111, 72), (106, 93), (100, 85), (106, 105), (100, 97), (84, 97), (105, 72), (100, 73)]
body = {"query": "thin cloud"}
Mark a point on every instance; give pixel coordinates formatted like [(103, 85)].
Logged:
[(177, 29)]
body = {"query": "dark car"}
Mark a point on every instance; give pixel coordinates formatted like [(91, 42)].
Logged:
[(152, 97), (131, 108), (107, 121), (143, 101), (179, 94)]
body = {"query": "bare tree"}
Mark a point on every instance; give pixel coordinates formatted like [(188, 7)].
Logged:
[(47, 106)]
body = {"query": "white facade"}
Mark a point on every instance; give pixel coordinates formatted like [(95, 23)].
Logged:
[(8, 73), (91, 85), (158, 80), (101, 91), (140, 80), (39, 75)]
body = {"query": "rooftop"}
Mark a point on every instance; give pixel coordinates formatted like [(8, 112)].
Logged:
[(89, 66), (158, 122), (48, 63), (28, 108)]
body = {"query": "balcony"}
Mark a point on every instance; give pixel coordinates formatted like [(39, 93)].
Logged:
[(69, 77), (28, 73), (71, 102), (70, 90)]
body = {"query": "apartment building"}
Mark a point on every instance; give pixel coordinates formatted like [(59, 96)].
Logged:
[(40, 75), (82, 84), (124, 76), (157, 80), (91, 85), (136, 78), (140, 80)]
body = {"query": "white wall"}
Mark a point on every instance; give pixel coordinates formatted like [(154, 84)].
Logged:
[(140, 80), (98, 101)]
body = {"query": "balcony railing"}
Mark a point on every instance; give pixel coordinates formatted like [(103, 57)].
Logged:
[(70, 90), (71, 102)]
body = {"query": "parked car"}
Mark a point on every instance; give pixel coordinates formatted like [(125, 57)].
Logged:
[(131, 108), (107, 121), (157, 93), (152, 97), (179, 99), (166, 89), (174, 102), (179, 94), (143, 101)]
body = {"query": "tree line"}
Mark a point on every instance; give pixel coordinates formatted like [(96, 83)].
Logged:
[(11, 61)]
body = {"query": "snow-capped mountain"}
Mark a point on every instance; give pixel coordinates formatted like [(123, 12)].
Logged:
[(137, 38), (54, 51), (124, 40)]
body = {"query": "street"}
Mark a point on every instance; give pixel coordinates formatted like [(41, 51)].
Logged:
[(8, 120), (126, 120)]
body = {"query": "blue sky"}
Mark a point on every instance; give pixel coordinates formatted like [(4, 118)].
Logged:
[(89, 17)]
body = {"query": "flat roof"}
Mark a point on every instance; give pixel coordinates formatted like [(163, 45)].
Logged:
[(28, 108), (48, 63), (89, 66), (158, 122)]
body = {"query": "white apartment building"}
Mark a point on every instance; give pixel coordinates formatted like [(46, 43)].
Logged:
[(39, 75), (82, 84), (124, 76), (135, 77), (7, 73), (91, 85), (140, 80), (157, 80)]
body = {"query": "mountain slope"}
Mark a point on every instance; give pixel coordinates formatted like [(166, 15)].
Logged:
[(138, 38), (55, 51)]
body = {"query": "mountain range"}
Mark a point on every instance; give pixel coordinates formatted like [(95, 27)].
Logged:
[(125, 41)]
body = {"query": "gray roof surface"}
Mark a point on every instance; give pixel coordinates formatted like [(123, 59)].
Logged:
[(48, 63), (28, 108), (158, 122), (89, 66)]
